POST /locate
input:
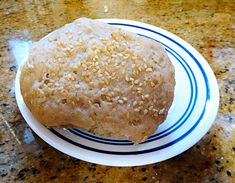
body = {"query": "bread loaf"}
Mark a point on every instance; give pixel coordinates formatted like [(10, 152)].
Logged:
[(97, 77)]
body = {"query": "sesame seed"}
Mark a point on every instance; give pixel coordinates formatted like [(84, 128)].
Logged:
[(103, 89), (149, 69), (161, 111), (108, 98), (155, 114), (106, 82), (135, 103), (128, 115), (126, 78), (134, 57), (106, 73), (155, 110), (70, 37), (102, 39), (152, 84), (120, 54), (145, 111), (77, 86), (136, 110), (150, 108), (136, 82), (120, 101), (131, 86), (145, 66), (79, 32), (117, 89), (131, 79), (124, 98)]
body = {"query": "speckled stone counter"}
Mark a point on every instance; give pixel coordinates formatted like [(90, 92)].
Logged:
[(208, 25)]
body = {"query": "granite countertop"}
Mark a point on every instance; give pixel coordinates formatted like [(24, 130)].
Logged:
[(207, 25)]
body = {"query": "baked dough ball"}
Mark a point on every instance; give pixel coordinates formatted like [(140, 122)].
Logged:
[(104, 79)]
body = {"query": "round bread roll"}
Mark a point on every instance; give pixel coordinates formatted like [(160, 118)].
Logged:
[(104, 79)]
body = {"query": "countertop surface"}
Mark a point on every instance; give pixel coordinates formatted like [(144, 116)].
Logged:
[(209, 26)]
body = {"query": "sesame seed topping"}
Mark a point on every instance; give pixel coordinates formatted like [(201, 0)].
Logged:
[(136, 110), (155, 110), (145, 111), (161, 111), (152, 84), (149, 69), (141, 84), (120, 101), (77, 86), (134, 57), (70, 37), (128, 115), (136, 82), (146, 96), (131, 79), (150, 108), (135, 103), (124, 99), (126, 78)]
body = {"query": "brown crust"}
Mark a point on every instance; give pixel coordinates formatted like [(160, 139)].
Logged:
[(103, 79)]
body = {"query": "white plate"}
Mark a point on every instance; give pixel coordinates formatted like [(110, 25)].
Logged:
[(190, 117)]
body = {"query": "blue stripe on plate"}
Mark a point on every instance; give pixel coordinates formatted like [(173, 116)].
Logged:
[(131, 152), (165, 145)]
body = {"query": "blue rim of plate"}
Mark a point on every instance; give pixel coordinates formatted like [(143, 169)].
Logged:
[(155, 136)]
